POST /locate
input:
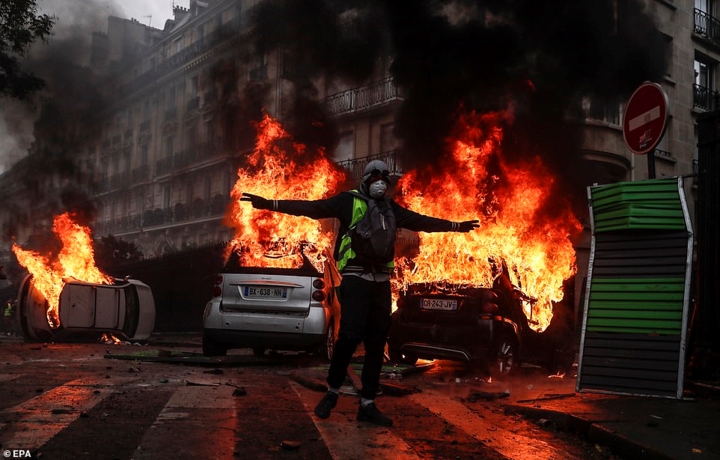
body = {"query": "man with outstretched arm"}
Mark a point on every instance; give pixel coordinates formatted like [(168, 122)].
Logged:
[(364, 294)]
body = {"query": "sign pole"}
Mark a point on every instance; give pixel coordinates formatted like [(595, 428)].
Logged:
[(651, 164)]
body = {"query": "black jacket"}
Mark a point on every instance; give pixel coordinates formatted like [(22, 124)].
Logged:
[(341, 207)]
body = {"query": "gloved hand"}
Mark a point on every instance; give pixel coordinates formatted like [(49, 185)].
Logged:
[(257, 202), (466, 226)]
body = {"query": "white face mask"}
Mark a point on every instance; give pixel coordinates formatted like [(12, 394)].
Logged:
[(377, 189)]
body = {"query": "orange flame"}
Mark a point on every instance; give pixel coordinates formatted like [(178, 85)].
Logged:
[(280, 168), (76, 260), (109, 339), (476, 182)]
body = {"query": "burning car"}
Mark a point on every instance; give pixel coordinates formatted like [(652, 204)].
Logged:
[(67, 297), (276, 289), (472, 324), (481, 325), (276, 308), (125, 309)]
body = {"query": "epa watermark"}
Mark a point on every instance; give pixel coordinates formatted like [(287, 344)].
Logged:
[(16, 453)]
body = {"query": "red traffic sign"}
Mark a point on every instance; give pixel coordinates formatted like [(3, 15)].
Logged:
[(646, 117)]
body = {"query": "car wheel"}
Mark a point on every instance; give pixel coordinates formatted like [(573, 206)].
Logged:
[(403, 358), (328, 348), (258, 351), (504, 357), (212, 348)]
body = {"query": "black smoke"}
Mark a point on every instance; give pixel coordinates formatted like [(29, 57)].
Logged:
[(63, 117), (543, 57)]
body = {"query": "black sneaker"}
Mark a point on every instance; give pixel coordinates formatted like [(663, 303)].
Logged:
[(370, 413), (326, 404)]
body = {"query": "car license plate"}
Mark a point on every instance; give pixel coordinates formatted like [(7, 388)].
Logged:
[(264, 292), (439, 304)]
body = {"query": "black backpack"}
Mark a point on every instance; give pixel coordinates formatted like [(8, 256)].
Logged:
[(373, 236)]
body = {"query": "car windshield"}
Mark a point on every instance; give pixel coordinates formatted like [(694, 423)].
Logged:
[(234, 265)]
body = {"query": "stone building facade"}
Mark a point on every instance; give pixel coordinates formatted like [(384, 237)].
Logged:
[(163, 159)]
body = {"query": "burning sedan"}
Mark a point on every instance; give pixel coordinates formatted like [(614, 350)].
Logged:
[(271, 308), (484, 326), (482, 296), (473, 324), (276, 289)]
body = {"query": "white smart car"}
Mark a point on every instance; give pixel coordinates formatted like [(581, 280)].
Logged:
[(271, 309), (125, 309)]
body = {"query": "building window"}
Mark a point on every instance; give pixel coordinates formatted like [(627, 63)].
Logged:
[(346, 147), (669, 46), (706, 24), (704, 87), (601, 110), (169, 141), (706, 6), (387, 138), (144, 155), (194, 86), (191, 138), (166, 197), (171, 98)]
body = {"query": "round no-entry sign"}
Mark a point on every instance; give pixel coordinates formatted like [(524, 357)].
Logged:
[(645, 118)]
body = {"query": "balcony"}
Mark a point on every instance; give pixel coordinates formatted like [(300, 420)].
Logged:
[(707, 26), (356, 166), (704, 99), (180, 213), (363, 98)]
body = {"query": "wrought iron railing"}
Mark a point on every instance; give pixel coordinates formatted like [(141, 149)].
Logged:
[(164, 216), (363, 98), (707, 26), (392, 158), (704, 98)]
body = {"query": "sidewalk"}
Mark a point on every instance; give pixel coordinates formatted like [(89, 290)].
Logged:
[(632, 427)]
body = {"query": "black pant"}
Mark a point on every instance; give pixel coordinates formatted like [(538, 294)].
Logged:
[(365, 317)]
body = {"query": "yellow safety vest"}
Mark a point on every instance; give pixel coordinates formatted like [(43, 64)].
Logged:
[(345, 252)]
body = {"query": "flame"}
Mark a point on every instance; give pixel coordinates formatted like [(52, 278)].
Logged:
[(515, 239), (76, 260), (109, 339), (280, 168)]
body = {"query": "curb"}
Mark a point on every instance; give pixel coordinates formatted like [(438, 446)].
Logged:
[(591, 432)]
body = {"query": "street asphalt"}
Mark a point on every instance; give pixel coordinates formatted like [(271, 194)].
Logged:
[(631, 427)]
